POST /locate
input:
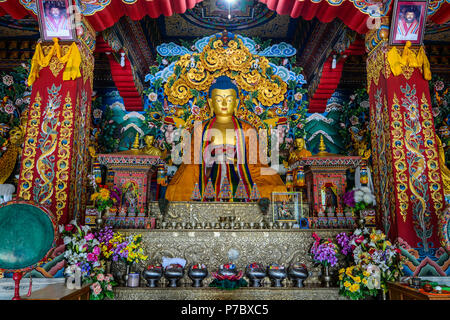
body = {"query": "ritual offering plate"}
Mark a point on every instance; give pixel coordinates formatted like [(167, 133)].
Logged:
[(298, 273), (27, 235), (277, 273), (197, 273), (256, 273), (173, 273), (152, 275)]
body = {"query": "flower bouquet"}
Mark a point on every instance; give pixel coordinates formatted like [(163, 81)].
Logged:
[(357, 283), (127, 249), (102, 287), (228, 278), (324, 251), (104, 198), (359, 199), (82, 249), (372, 257)]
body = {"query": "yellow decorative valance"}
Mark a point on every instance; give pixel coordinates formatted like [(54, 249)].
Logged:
[(409, 59), (72, 61)]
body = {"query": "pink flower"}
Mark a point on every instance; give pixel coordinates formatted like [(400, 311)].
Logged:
[(195, 109), (100, 277), (439, 85), (96, 288), (298, 96), (8, 80), (109, 287), (92, 257), (9, 108), (96, 250), (259, 110), (89, 236)]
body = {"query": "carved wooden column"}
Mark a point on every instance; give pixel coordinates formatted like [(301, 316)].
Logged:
[(54, 159), (408, 183)]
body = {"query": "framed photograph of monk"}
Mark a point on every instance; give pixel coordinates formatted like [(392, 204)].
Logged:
[(55, 20), (408, 22)]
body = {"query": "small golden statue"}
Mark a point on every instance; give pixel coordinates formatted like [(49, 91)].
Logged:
[(149, 148), (299, 152), (9, 158)]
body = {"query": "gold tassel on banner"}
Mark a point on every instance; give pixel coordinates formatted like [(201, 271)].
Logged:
[(409, 59), (72, 59)]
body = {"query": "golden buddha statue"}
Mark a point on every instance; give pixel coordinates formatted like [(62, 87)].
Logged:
[(299, 152), (149, 148), (224, 152)]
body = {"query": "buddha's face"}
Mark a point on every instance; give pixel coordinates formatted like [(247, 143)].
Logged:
[(149, 140), (223, 102), (300, 143)]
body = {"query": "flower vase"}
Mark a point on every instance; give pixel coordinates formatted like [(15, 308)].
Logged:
[(108, 267), (125, 276), (99, 221), (326, 278), (361, 221)]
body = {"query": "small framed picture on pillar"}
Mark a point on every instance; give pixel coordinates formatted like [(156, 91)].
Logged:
[(55, 19), (408, 22)]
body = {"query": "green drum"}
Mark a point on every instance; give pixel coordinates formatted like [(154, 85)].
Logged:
[(27, 234)]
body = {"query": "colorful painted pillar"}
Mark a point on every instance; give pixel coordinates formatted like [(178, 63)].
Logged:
[(55, 160), (407, 177)]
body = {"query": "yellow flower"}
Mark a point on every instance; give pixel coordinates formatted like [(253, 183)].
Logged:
[(347, 284), (104, 194), (342, 270), (366, 274), (94, 196), (357, 279), (341, 276), (354, 287), (364, 281)]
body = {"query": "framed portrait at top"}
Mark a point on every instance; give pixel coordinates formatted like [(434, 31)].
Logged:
[(55, 19), (408, 22)]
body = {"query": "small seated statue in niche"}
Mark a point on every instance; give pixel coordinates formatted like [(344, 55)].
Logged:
[(149, 148), (299, 152)]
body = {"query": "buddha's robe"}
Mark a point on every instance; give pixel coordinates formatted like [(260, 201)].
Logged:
[(267, 180)]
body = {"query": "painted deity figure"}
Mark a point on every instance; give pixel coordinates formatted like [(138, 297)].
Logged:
[(224, 151), (408, 24), (130, 198), (299, 151)]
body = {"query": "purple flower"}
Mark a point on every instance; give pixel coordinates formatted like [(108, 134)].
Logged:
[(343, 241), (349, 198)]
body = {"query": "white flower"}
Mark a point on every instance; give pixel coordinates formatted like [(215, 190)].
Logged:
[(8, 80), (368, 198), (358, 195), (67, 240), (298, 96), (152, 96), (365, 190)]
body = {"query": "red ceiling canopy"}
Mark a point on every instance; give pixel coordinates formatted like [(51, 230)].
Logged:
[(103, 14)]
